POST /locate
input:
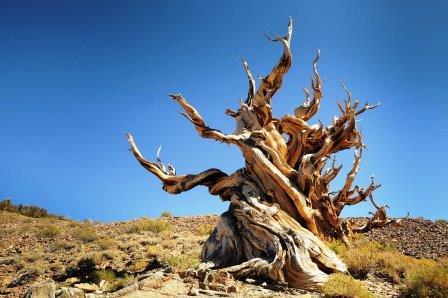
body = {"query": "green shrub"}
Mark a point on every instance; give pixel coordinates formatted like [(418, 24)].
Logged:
[(107, 275), (166, 214), (428, 279), (49, 231), (340, 285)]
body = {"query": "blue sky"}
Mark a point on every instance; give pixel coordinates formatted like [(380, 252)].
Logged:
[(76, 74)]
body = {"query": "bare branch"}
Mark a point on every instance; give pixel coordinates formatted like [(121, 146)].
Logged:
[(193, 115), (311, 106), (176, 184), (366, 107), (252, 88), (272, 82)]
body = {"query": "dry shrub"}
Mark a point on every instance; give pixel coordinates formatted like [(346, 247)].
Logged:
[(85, 233), (155, 226), (105, 274), (204, 230), (182, 261), (340, 285), (105, 243), (367, 256), (154, 250), (58, 246), (49, 231), (427, 279), (337, 246), (138, 265), (114, 283)]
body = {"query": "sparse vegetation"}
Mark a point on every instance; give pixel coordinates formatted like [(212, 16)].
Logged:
[(340, 285), (93, 252)]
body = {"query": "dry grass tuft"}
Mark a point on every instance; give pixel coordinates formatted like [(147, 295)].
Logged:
[(105, 243), (182, 261), (85, 232), (204, 230), (340, 285), (428, 279), (48, 231), (155, 226), (371, 257)]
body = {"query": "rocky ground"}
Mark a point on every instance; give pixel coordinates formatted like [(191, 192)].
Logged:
[(151, 258)]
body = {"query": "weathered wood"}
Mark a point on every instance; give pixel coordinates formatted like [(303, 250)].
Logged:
[(280, 201)]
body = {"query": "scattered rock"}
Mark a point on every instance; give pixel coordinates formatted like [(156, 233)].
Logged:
[(416, 237)]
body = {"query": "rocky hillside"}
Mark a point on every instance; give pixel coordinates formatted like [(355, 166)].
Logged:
[(150, 257)]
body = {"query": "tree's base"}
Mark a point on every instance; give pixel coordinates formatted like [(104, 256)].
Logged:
[(257, 240)]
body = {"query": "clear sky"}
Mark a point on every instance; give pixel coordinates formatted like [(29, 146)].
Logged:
[(76, 74)]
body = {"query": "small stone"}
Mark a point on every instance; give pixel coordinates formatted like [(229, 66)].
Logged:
[(87, 287)]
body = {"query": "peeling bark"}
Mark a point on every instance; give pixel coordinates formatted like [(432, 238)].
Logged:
[(280, 201)]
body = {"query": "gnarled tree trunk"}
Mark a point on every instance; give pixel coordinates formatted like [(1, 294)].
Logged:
[(280, 202)]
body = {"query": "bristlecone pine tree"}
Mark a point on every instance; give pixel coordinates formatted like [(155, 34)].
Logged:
[(280, 202)]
